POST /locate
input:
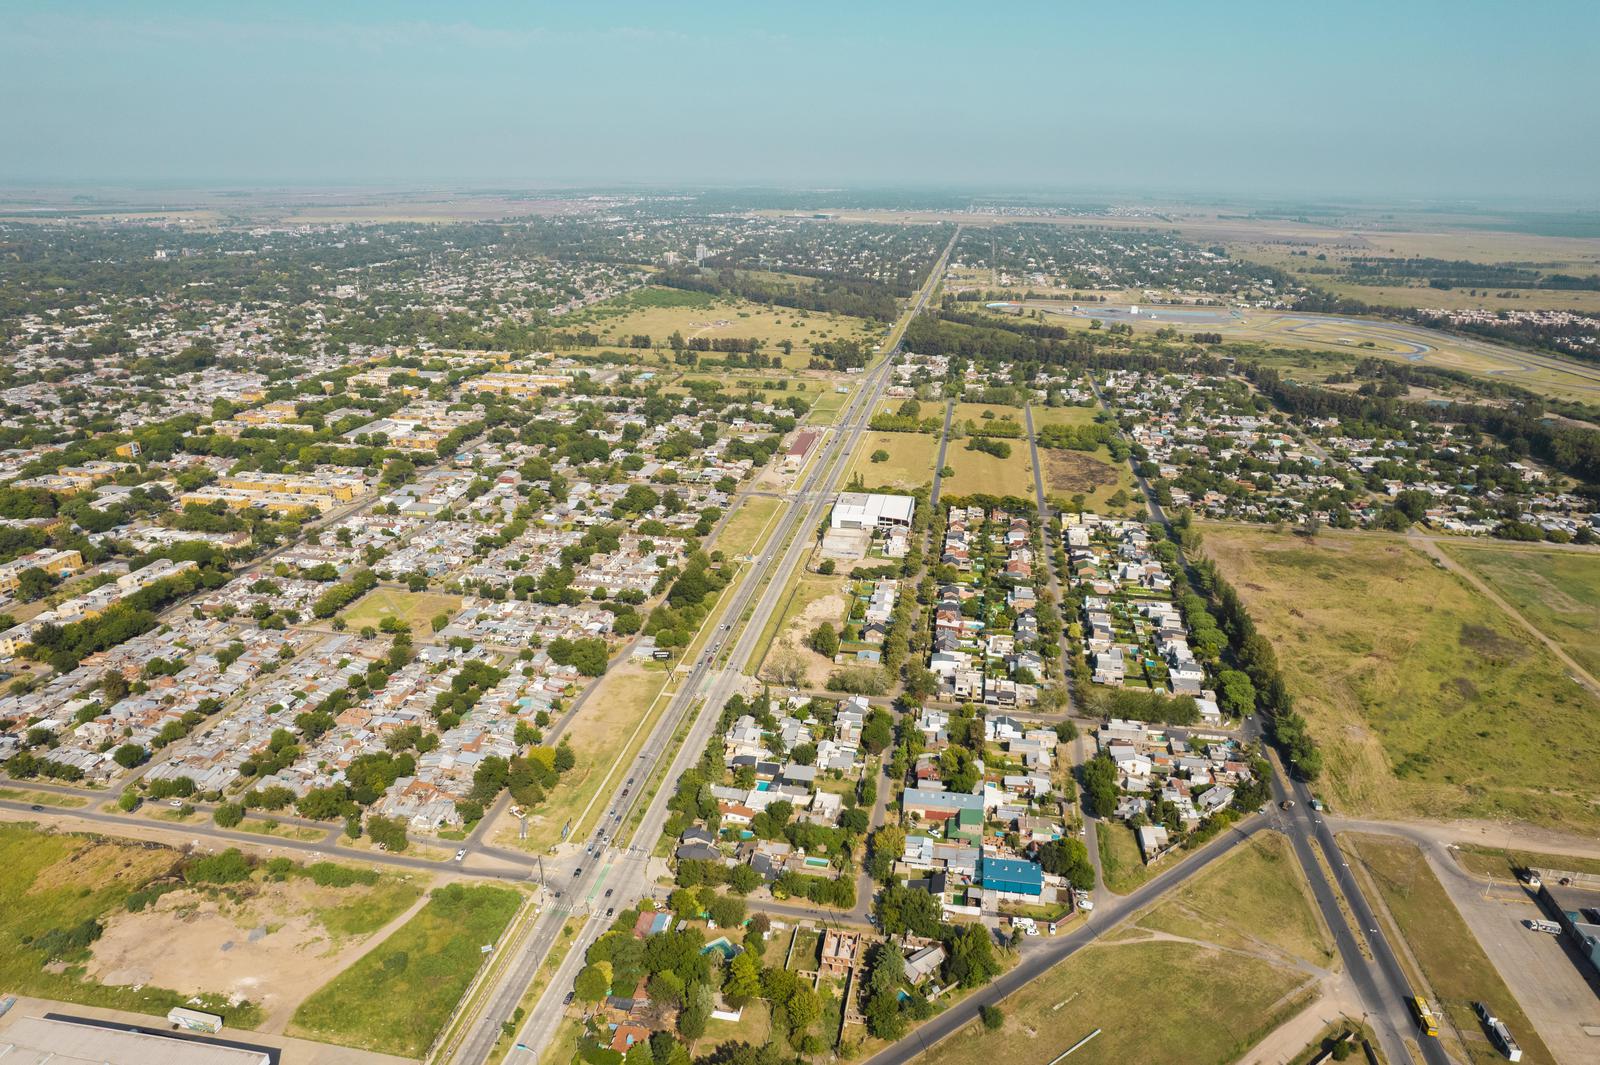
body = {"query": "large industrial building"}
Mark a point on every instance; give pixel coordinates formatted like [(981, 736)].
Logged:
[(862, 510), (41, 1040)]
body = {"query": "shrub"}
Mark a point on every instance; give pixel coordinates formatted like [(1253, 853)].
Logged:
[(229, 867)]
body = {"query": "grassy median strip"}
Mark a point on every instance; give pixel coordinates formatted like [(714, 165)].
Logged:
[(1453, 963)]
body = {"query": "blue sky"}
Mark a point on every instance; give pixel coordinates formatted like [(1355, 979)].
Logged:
[(1404, 99)]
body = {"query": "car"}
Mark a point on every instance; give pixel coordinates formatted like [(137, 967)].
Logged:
[(176, 804), (1287, 804), (609, 891), (576, 873), (461, 855), (625, 792), (568, 1000), (36, 808), (611, 911), (630, 780)]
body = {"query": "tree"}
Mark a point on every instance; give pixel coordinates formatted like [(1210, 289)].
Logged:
[(802, 1009), (744, 979), (880, 455), (1237, 692), (884, 1019), (228, 815), (972, 962), (993, 1017), (591, 984), (696, 1013), (130, 755), (825, 640), (888, 846)]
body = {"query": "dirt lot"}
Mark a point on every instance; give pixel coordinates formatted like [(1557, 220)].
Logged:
[(269, 948)]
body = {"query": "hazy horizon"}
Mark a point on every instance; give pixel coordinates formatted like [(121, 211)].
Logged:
[(1353, 102)]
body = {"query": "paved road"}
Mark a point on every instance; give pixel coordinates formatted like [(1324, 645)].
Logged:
[(623, 874), (1376, 973), (1049, 534)]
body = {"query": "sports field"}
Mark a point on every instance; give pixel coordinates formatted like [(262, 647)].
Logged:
[(416, 609), (1426, 700), (1558, 378)]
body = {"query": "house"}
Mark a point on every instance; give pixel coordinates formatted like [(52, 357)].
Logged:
[(840, 949), (1153, 839), (1011, 878), (924, 963)]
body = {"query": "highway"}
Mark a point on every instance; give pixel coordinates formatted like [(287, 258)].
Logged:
[(607, 876)]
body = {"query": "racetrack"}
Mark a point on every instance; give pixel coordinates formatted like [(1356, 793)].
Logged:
[(1546, 374)]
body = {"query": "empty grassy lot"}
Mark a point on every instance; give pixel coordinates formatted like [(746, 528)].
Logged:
[(909, 465), (416, 609), (1426, 700), (1120, 863), (1197, 1003), (659, 312), (1558, 591), (55, 888), (978, 471), (604, 728), (1455, 966), (750, 523), (1254, 899), (1508, 863), (396, 999)]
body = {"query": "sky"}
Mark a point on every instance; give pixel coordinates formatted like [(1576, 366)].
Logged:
[(1408, 99)]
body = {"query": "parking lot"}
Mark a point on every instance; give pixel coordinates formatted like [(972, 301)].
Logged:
[(1540, 971)]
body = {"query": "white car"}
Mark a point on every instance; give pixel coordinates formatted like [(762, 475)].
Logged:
[(461, 855)]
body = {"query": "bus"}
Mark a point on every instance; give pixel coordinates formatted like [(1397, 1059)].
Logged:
[(1425, 1018)]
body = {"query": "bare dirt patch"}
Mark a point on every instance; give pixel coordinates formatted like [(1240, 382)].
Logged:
[(268, 946), (1077, 471), (830, 609)]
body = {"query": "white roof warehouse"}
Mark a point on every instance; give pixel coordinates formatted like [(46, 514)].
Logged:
[(861, 510)]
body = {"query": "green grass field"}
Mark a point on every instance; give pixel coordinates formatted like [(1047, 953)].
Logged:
[(1453, 963), (1255, 897), (370, 908), (909, 465), (1194, 1004), (53, 889), (1425, 699), (416, 609), (1203, 1001), (397, 998), (978, 471), (659, 312), (1120, 863), (1558, 591), (750, 523)]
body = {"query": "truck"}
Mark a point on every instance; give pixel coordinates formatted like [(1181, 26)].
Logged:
[(194, 1020), (1427, 1023), (1539, 925), (1498, 1032)]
